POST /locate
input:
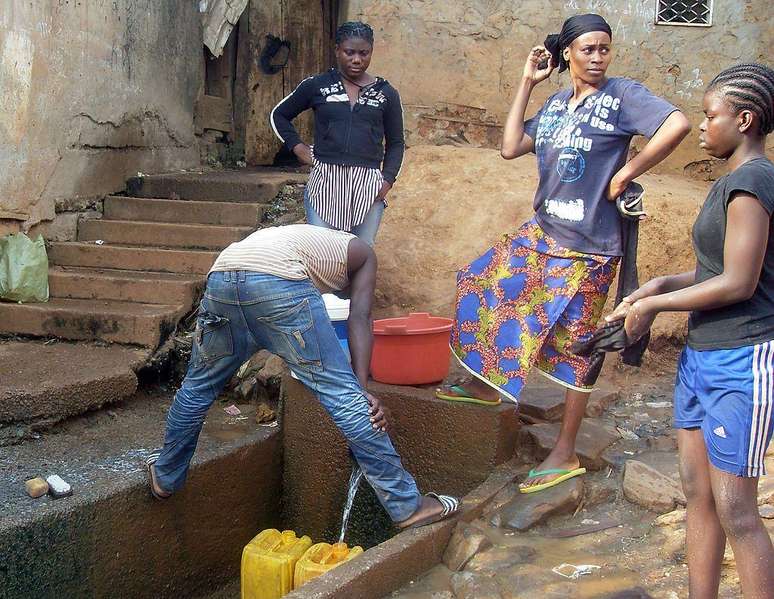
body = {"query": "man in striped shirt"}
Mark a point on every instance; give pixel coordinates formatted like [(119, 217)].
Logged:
[(264, 293)]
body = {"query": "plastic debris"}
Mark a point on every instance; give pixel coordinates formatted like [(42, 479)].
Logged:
[(574, 572), (658, 404), (100, 242), (627, 434), (57, 487), (232, 410)]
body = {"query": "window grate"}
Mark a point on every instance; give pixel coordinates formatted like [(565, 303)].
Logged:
[(684, 12)]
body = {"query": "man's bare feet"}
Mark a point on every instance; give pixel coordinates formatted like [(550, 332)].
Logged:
[(431, 510), (156, 490)]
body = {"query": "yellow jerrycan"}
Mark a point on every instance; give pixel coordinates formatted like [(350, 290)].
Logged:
[(320, 558), (268, 563)]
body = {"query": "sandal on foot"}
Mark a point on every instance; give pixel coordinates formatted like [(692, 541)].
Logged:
[(451, 505), (563, 476), (461, 395), (152, 477)]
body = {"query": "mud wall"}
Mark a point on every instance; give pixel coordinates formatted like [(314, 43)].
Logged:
[(90, 93), (456, 64)]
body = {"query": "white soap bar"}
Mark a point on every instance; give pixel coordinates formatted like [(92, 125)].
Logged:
[(58, 487)]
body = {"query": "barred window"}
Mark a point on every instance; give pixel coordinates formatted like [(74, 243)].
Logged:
[(696, 13)]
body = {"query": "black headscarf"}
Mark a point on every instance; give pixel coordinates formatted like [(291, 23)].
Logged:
[(573, 28)]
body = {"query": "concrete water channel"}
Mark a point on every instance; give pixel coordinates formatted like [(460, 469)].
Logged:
[(110, 539)]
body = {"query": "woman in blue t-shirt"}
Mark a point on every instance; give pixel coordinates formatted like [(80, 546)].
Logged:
[(534, 294), (724, 394)]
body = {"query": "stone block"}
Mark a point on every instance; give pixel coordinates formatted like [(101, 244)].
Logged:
[(529, 509), (466, 542), (273, 367), (670, 518), (646, 486), (64, 227), (497, 559), (593, 439)]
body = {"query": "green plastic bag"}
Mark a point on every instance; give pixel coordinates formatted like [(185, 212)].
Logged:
[(23, 269)]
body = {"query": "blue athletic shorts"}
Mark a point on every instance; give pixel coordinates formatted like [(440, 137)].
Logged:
[(729, 394)]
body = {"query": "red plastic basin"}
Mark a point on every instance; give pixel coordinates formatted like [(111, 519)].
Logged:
[(411, 350)]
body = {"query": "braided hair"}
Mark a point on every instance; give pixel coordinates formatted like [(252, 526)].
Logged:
[(356, 30), (750, 87)]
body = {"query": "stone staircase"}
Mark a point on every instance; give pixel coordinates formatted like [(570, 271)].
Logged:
[(132, 274)]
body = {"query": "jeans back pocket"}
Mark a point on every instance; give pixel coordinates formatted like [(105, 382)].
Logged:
[(293, 335), (213, 337)]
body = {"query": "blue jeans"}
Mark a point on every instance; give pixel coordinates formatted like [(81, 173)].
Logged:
[(243, 312), (366, 230)]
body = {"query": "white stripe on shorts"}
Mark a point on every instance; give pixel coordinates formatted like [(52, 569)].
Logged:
[(763, 398)]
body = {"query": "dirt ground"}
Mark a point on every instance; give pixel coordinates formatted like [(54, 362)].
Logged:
[(457, 202), (641, 555)]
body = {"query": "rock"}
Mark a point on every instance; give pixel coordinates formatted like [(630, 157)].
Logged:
[(466, 541), (766, 490), (651, 489), (673, 547), (246, 388), (662, 443), (274, 367), (528, 509), (670, 518), (467, 585), (766, 511), (542, 401), (36, 487), (264, 414), (505, 495), (497, 559), (593, 439), (258, 360), (603, 396), (599, 492)]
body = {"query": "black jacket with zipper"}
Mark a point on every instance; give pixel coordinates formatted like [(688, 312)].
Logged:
[(345, 134)]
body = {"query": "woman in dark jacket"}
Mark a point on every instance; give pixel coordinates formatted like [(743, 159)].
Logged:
[(358, 137)]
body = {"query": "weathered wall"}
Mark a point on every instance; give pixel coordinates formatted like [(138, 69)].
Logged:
[(90, 93), (471, 52)]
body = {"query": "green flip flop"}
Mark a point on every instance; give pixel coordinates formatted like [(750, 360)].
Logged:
[(563, 476), (463, 396)]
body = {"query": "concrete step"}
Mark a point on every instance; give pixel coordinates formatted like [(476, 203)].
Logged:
[(49, 382), (183, 211), (130, 258), (110, 534), (161, 234), (80, 319), (220, 186), (124, 285)]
